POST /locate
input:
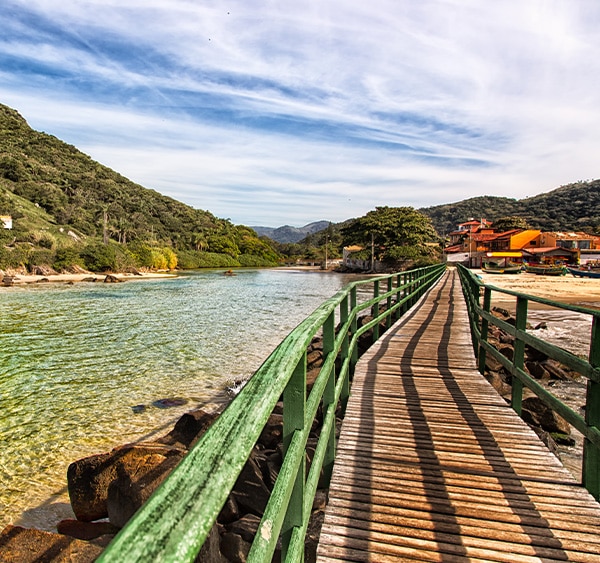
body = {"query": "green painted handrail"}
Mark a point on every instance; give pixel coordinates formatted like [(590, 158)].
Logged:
[(480, 318), (174, 523)]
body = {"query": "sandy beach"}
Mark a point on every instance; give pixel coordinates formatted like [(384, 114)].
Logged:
[(73, 278), (584, 292)]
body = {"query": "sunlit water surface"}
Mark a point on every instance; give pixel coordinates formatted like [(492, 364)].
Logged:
[(81, 365)]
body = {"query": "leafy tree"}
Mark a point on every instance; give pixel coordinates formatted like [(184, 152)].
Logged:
[(396, 233), (509, 223)]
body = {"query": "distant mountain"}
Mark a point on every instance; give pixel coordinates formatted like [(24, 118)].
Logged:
[(288, 234), (574, 207)]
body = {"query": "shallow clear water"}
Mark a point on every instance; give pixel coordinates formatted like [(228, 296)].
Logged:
[(76, 359)]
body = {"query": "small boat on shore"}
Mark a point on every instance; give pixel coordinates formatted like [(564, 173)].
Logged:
[(509, 268), (545, 270), (579, 273)]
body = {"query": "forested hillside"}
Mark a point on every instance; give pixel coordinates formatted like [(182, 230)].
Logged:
[(572, 207), (68, 209)]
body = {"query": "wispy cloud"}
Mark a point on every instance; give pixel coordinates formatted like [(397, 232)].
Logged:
[(269, 113)]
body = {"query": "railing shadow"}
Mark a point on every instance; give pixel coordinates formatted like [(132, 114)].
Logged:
[(446, 521)]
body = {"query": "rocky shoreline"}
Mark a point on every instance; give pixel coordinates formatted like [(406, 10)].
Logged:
[(106, 489)]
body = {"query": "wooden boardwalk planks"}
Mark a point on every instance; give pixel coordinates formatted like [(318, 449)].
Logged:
[(433, 465)]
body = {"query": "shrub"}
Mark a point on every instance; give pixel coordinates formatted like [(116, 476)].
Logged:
[(99, 257), (66, 257)]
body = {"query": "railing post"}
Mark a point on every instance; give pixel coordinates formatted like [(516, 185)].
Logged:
[(344, 352), (591, 453), (294, 408), (481, 353), (329, 394), (390, 286), (519, 355), (353, 329), (399, 311), (376, 310)]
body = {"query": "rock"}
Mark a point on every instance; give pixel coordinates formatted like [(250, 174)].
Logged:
[(190, 427), (273, 467), (537, 370), (26, 545), (89, 479), (139, 473), (234, 548), (85, 530), (250, 491), (314, 359), (169, 403), (500, 312), (534, 355), (507, 352), (559, 371), (537, 413), (230, 511), (211, 552), (272, 433), (112, 279), (43, 271), (246, 527)]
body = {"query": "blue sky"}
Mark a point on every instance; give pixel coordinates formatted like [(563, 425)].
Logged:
[(279, 112)]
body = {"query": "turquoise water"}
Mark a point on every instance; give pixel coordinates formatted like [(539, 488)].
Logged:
[(77, 362)]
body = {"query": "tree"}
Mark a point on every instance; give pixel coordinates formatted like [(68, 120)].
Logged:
[(510, 223), (396, 233)]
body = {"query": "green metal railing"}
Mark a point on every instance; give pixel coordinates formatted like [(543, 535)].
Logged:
[(175, 522), (481, 318)]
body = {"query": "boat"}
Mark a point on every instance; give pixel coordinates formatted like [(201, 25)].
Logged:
[(545, 269), (578, 273), (509, 268)]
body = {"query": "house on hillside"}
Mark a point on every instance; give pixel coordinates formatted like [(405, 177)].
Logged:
[(470, 227), (6, 221), (477, 247)]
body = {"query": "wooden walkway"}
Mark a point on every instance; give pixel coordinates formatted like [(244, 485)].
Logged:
[(433, 465)]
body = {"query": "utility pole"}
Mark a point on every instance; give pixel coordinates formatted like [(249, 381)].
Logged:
[(372, 252)]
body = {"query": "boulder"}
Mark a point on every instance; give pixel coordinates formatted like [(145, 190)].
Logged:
[(230, 511), (88, 479), (246, 527), (139, 473), (234, 548), (27, 545), (250, 491), (537, 413), (112, 279), (189, 428), (272, 432), (211, 552)]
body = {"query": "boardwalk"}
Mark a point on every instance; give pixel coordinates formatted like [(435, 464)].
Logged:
[(433, 465)]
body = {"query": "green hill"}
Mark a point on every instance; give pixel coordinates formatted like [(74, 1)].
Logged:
[(65, 207), (574, 207)]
